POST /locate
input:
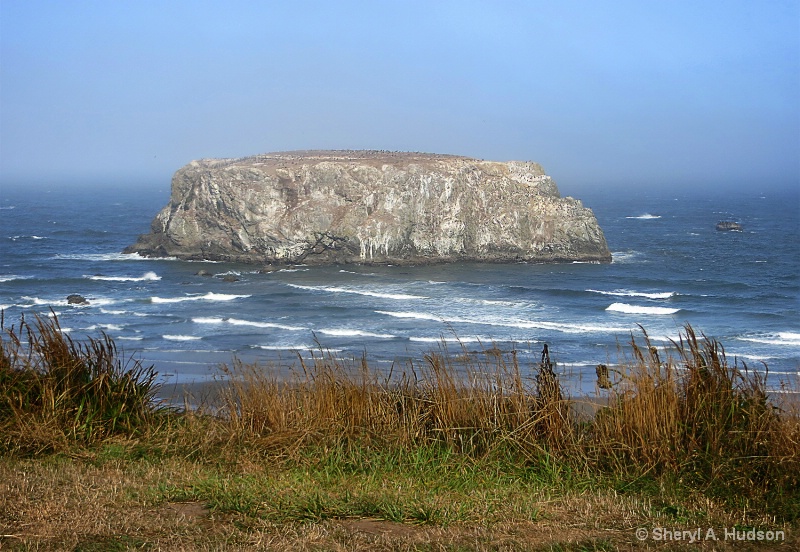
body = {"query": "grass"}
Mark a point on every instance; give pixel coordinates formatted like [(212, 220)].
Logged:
[(55, 391), (458, 451)]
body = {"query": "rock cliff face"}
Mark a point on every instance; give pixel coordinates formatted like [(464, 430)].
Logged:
[(370, 207)]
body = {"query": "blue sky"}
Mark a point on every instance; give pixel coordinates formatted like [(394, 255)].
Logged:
[(603, 94)]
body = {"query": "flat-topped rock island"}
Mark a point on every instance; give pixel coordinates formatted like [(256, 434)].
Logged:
[(326, 207)]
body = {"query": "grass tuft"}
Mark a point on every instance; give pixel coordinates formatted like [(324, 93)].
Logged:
[(702, 417), (54, 391)]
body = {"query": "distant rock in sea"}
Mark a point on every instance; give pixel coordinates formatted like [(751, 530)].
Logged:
[(728, 226), (322, 207), (75, 299)]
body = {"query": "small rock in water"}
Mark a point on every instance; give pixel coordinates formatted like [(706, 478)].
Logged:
[(230, 278), (727, 225), (203, 273), (76, 299)]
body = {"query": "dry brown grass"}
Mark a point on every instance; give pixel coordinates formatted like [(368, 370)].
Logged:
[(700, 416), (55, 391), (469, 402)]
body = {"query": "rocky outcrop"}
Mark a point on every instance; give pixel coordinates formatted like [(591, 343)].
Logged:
[(370, 207), (729, 226)]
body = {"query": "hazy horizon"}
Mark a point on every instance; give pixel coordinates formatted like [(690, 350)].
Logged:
[(613, 95)]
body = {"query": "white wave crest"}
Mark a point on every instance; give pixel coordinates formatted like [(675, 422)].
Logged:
[(510, 323), (568, 328), (639, 309), (411, 314), (645, 216), (441, 339), (15, 238), (182, 337), (357, 273), (109, 257), (110, 327), (92, 302), (630, 293), (239, 322), (210, 296), (665, 338), (50, 302), (331, 289), (625, 257), (12, 277), (757, 358), (345, 332), (788, 339), (208, 320), (302, 347), (146, 277), (128, 338)]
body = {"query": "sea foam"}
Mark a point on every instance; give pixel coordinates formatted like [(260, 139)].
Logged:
[(182, 337), (346, 332), (146, 277), (102, 257), (331, 289), (789, 339), (640, 309), (110, 327), (92, 302), (625, 257), (239, 322), (645, 216), (210, 296), (510, 323), (631, 293), (12, 277), (457, 339)]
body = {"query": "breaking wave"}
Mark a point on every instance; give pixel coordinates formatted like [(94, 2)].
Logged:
[(789, 339), (510, 323), (146, 277), (210, 296), (631, 293), (345, 332), (639, 309), (331, 289), (645, 216), (12, 277), (240, 322)]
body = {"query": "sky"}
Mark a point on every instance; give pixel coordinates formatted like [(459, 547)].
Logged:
[(603, 94)]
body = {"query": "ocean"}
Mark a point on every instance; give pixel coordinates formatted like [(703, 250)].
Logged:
[(670, 268)]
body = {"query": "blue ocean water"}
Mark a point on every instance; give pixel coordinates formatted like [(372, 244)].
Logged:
[(671, 267)]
